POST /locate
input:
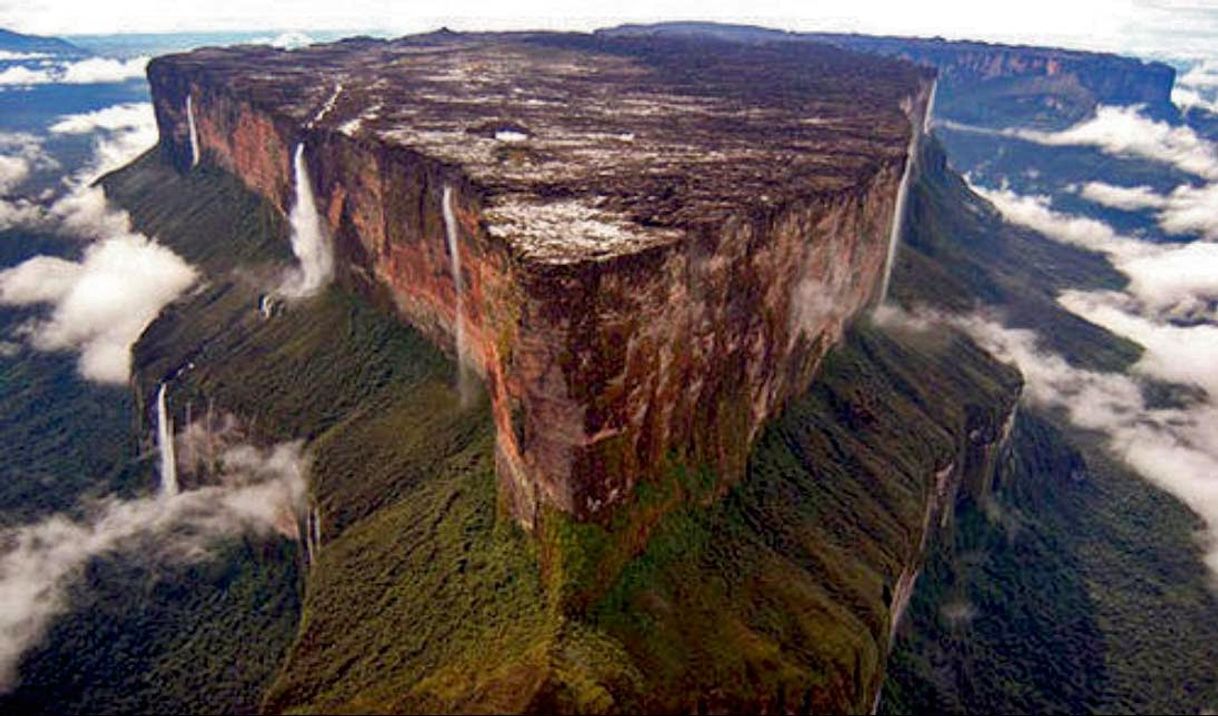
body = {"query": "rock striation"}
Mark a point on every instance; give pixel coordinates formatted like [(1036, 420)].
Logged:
[(658, 238)]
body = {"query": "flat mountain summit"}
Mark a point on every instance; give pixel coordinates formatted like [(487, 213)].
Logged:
[(622, 138)]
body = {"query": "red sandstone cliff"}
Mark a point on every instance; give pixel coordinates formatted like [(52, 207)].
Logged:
[(653, 259)]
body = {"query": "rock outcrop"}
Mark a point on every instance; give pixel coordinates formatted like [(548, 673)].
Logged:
[(658, 239)]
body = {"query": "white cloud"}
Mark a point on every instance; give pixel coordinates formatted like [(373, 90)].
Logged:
[(1035, 212), (1191, 210), (42, 279), (1122, 132), (18, 75), (117, 149), (20, 212), (1174, 448), (1168, 279), (1168, 308), (1128, 198), (102, 70), (1202, 74), (101, 304), (1174, 353), (13, 171), (95, 70), (85, 213), (1176, 281), (120, 134), (10, 56), (133, 115), (22, 155), (1186, 98), (259, 491)]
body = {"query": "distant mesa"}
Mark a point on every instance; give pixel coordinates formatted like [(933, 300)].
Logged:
[(16, 42)]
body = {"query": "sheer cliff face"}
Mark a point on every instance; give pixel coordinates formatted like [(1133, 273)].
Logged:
[(658, 240)]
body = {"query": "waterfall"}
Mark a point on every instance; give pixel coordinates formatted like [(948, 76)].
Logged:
[(310, 243), (454, 260), (194, 133), (929, 117), (898, 212), (311, 536), (164, 441), (898, 220)]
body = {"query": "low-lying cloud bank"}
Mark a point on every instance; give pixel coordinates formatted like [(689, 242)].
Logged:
[(95, 70), (1128, 198), (1188, 210), (11, 56), (21, 154), (120, 134), (1175, 448), (1121, 131), (1198, 87), (102, 302), (259, 491), (1169, 309), (1178, 281)]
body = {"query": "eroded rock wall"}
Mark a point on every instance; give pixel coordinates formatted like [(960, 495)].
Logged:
[(600, 371)]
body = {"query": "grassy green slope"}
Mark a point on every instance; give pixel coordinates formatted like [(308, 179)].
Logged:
[(418, 576), (778, 595)]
